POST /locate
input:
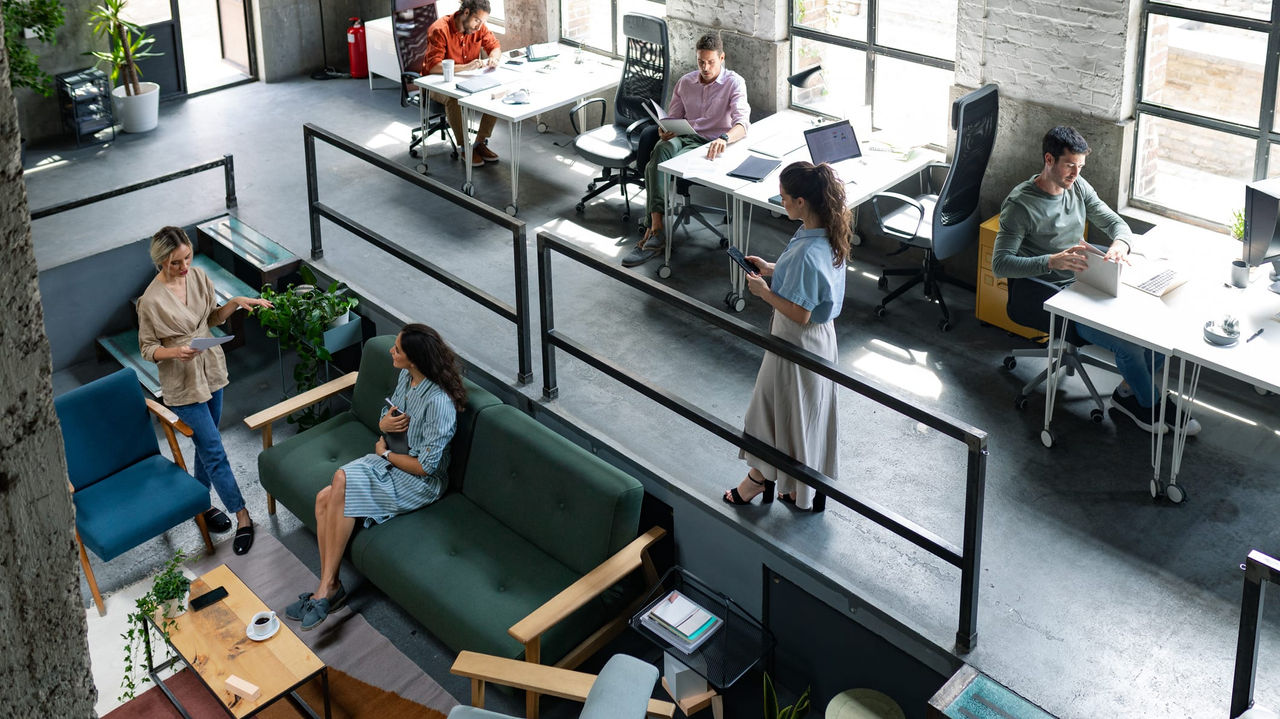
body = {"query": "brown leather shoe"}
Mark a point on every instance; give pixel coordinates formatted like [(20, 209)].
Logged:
[(482, 151)]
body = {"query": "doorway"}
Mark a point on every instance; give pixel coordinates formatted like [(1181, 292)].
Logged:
[(203, 45)]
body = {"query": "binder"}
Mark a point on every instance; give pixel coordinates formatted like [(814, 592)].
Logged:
[(754, 168)]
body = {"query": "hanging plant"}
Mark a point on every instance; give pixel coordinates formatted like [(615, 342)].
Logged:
[(163, 602)]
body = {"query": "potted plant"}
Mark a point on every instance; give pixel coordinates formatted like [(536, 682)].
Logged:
[(42, 18), (1237, 224), (313, 323), (137, 103), (771, 711), (166, 600)]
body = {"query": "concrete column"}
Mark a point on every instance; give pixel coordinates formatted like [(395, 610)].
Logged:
[(42, 673)]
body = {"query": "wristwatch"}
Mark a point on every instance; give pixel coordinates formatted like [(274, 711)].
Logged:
[(386, 454), (724, 136)]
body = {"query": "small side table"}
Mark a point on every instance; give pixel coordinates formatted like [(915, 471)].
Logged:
[(737, 645)]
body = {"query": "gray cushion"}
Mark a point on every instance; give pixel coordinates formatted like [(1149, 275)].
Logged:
[(463, 711), (904, 219), (606, 146), (622, 690)]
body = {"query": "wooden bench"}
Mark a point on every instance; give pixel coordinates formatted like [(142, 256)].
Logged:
[(123, 347), (231, 241)]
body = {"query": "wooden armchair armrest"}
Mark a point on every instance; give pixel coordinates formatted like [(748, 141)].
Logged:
[(610, 572), (279, 411), (563, 683), (167, 416)]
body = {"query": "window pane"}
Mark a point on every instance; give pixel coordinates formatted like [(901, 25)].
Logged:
[(908, 26), (1191, 169), (840, 90), (589, 22), (1260, 9), (497, 10), (912, 101), (645, 7), (1206, 69), (1273, 161), (147, 12), (846, 18)]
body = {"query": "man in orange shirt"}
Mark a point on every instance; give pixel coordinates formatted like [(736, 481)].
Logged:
[(460, 37)]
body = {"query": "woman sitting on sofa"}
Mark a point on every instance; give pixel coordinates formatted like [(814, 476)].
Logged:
[(378, 486)]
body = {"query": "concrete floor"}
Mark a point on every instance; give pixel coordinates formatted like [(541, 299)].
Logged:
[(1095, 600)]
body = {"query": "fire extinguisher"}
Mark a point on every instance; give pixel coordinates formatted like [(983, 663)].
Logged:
[(356, 55)]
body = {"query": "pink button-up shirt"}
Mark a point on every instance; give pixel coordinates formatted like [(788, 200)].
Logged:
[(712, 108)]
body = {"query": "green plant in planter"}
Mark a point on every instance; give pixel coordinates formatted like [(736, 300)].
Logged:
[(771, 711), (168, 586), (129, 44), (1237, 224), (298, 319), (42, 18)]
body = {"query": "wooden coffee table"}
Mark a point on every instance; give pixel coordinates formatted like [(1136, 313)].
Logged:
[(213, 643)]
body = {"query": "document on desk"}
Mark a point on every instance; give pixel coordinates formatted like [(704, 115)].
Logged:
[(673, 125)]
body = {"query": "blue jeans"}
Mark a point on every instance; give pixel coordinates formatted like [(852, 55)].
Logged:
[(1136, 365), (212, 467)]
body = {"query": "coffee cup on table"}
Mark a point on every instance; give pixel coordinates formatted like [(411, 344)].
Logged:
[(263, 624), (1239, 273), (446, 69)]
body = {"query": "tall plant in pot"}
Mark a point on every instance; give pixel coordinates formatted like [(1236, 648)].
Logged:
[(137, 103)]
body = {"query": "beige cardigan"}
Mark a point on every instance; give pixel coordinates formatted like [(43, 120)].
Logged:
[(163, 321)]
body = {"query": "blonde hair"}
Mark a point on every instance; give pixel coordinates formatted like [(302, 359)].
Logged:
[(165, 241)]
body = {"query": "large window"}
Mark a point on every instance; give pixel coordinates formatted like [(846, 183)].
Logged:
[(1206, 106), (597, 24), (886, 64)]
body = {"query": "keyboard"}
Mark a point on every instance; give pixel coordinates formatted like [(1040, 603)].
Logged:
[(1158, 283)]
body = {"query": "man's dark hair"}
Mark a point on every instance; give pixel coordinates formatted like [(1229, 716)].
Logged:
[(710, 41), (471, 7), (1062, 139)]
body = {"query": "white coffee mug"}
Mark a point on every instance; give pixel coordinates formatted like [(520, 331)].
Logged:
[(1239, 273), (446, 68), (263, 624)]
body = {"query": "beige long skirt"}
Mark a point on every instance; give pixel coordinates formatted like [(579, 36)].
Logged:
[(794, 409)]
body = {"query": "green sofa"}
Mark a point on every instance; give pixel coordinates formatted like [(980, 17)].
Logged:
[(533, 551)]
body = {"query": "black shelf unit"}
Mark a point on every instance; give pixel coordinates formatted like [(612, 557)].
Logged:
[(85, 98)]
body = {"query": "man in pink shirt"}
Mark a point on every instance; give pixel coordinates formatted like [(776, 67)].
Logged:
[(714, 101)]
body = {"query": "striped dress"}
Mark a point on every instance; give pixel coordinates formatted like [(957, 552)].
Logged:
[(378, 491)]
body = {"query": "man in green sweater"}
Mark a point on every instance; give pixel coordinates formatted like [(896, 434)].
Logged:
[(1042, 224)]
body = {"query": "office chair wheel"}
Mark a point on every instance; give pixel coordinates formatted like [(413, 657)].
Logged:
[(469, 188), (580, 207), (879, 310), (1095, 414), (855, 240), (542, 128), (944, 325), (1175, 494), (1010, 362), (421, 167), (591, 187), (626, 217), (513, 209), (883, 283), (414, 153), (664, 271), (1021, 401), (1155, 489), (736, 302), (1047, 438)]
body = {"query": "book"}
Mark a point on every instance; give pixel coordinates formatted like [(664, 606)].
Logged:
[(680, 621), (670, 124)]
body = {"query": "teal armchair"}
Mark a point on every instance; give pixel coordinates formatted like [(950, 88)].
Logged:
[(125, 492)]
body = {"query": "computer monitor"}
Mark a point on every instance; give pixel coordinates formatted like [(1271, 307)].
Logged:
[(1262, 226)]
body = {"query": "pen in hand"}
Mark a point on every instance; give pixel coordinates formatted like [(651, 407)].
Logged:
[(1255, 334)]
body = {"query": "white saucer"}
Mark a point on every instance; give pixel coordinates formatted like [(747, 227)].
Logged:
[(248, 632)]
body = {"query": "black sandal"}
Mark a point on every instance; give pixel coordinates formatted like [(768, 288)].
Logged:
[(736, 499), (243, 541)]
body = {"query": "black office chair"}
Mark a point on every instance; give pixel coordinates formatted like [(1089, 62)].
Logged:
[(410, 20), (645, 76), (943, 223), (690, 211), (1025, 305)]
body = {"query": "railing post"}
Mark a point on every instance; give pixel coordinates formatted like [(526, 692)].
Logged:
[(229, 178), (546, 317), (1246, 667), (524, 324), (313, 191), (971, 547)]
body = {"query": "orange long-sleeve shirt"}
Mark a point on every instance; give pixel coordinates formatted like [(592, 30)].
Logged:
[(444, 41)]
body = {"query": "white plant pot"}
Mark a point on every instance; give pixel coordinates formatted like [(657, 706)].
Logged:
[(137, 113), (340, 320), (175, 607)]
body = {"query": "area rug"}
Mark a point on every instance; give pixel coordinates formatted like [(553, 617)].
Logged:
[(376, 679)]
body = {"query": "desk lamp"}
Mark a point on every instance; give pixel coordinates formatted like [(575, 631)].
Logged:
[(806, 78)]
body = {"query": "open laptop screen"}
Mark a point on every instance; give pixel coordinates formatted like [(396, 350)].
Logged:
[(832, 143)]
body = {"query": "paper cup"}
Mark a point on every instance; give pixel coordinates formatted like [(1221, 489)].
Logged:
[(446, 68)]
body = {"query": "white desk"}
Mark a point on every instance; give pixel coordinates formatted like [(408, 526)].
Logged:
[(1174, 326), (550, 84)]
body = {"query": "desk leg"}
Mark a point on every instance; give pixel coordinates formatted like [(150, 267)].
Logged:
[(516, 130), (1175, 493), (468, 150), (1157, 441), (669, 188), (1057, 342)]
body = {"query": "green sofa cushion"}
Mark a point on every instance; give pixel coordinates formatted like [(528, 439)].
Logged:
[(550, 491), (468, 578), (377, 380), (294, 470)]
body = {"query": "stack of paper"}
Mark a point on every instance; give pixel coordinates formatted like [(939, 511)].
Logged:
[(684, 624)]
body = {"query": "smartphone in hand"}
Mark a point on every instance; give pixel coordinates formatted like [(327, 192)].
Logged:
[(395, 411), (736, 255)]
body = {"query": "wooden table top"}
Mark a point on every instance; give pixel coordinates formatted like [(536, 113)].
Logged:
[(214, 643)]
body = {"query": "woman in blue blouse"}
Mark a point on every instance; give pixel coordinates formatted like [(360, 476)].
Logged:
[(378, 486), (791, 408)]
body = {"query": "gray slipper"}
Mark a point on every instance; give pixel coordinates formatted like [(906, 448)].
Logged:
[(316, 611), (297, 609), (638, 255)]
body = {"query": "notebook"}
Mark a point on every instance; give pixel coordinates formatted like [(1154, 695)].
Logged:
[(834, 144), (542, 51), (754, 168), (478, 83)]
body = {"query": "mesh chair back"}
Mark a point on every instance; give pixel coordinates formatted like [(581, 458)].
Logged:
[(105, 428), (974, 118), (410, 20), (647, 70)]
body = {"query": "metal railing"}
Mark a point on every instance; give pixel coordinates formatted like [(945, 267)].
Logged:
[(227, 164), (967, 557), (1258, 569), (520, 261)]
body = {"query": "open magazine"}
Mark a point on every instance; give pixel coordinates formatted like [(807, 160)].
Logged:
[(673, 125), (681, 622)]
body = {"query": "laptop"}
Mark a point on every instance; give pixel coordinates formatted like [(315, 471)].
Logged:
[(1101, 274), (835, 144), (1153, 277), (478, 83)]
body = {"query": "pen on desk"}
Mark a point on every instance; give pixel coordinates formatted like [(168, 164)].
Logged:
[(1255, 334)]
